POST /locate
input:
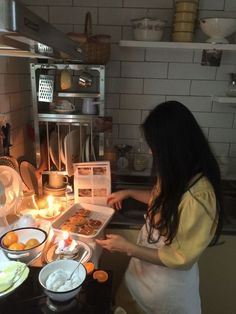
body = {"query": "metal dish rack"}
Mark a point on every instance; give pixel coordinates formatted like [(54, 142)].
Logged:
[(44, 90)]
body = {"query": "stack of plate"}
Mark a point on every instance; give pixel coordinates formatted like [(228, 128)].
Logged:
[(184, 20)]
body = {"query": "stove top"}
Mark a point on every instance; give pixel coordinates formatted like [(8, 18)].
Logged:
[(94, 297)]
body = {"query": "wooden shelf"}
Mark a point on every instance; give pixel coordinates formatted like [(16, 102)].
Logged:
[(225, 99), (179, 45)]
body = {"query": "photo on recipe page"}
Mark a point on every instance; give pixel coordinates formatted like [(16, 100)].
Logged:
[(92, 182)]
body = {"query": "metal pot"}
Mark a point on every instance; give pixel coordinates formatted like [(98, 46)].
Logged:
[(85, 79)]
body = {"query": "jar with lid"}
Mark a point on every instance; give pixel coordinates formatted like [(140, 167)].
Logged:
[(232, 85), (140, 158)]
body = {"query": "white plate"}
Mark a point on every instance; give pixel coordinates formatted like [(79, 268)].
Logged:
[(11, 190), (27, 172), (72, 149), (21, 279), (53, 148), (51, 256), (59, 110)]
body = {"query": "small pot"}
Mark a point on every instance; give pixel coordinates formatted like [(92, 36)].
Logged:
[(148, 29), (89, 106), (85, 79)]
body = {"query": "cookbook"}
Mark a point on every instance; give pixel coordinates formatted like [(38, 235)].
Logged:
[(92, 182)]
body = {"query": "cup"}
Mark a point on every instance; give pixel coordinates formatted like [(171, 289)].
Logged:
[(89, 106), (57, 181)]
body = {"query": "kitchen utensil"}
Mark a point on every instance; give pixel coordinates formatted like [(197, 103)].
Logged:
[(85, 79), (65, 79), (186, 6), (52, 256), (10, 162), (15, 277), (65, 265), (52, 191), (55, 148), (73, 145), (79, 262), (24, 234), (148, 29), (89, 106), (6, 139), (9, 267), (27, 172), (46, 87), (182, 36), (218, 28)]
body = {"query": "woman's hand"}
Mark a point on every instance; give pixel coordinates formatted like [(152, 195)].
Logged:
[(115, 199), (115, 243)]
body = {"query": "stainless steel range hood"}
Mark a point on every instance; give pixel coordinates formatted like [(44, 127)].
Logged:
[(24, 34)]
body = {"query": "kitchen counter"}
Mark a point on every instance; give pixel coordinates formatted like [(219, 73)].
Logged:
[(131, 216)]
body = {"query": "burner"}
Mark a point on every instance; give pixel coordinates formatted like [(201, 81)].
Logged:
[(51, 306)]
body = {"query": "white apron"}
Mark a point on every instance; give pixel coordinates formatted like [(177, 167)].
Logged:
[(159, 289)]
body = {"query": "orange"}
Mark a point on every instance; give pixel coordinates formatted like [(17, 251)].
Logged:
[(31, 243), (89, 266), (17, 246), (100, 275), (10, 238)]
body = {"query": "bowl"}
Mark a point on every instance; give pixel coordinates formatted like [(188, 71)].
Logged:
[(25, 234), (148, 29), (65, 265), (218, 28)]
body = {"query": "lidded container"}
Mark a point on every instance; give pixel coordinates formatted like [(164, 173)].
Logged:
[(148, 29)]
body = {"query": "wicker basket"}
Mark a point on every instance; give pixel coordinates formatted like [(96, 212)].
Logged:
[(96, 48)]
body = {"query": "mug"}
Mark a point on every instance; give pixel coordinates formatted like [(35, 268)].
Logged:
[(57, 181), (89, 106)]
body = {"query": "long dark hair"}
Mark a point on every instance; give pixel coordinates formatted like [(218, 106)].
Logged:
[(180, 151)]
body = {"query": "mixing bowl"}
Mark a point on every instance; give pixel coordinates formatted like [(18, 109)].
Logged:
[(23, 235), (218, 28), (65, 265)]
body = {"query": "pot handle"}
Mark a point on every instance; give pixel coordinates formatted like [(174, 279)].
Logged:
[(16, 256)]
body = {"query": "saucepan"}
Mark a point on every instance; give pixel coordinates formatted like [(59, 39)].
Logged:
[(85, 79)]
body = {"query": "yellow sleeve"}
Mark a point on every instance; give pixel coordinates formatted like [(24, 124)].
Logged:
[(196, 230)]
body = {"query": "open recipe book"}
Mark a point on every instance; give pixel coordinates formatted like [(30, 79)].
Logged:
[(92, 182)]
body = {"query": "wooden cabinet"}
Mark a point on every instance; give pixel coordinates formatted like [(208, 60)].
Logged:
[(218, 277)]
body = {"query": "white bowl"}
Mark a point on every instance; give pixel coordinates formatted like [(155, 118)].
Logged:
[(218, 28), (24, 234), (66, 265)]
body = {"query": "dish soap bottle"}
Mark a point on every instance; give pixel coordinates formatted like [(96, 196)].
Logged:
[(232, 86)]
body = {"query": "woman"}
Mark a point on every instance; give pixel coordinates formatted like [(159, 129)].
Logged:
[(184, 216)]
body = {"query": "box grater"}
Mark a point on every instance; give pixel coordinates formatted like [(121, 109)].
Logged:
[(46, 86)]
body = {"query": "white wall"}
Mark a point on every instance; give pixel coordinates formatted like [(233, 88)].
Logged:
[(137, 79)]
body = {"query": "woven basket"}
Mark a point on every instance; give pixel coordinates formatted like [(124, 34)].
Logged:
[(96, 48)]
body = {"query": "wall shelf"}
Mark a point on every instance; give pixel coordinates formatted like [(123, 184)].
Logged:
[(225, 99), (175, 45)]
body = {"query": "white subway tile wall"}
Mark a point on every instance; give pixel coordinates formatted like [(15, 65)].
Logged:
[(16, 104), (137, 79)]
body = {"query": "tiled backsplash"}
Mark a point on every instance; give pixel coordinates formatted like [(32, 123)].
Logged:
[(137, 79)]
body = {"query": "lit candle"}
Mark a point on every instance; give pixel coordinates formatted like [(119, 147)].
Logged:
[(67, 238), (50, 200)]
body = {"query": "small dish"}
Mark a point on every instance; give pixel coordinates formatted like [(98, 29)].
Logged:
[(52, 256), (27, 172), (11, 266)]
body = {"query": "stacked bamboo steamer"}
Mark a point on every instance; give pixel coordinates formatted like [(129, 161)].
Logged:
[(184, 20)]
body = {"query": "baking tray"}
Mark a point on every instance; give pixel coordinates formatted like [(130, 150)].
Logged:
[(102, 213)]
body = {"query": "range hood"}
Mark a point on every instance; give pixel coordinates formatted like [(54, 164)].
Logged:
[(24, 34)]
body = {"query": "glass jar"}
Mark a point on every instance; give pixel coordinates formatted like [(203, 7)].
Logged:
[(232, 85), (140, 158), (27, 202)]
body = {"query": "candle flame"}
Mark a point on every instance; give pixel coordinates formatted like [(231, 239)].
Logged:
[(65, 234)]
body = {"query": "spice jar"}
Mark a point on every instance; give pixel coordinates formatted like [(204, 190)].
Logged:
[(140, 159)]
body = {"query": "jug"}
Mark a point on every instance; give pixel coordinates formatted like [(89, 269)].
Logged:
[(89, 106)]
